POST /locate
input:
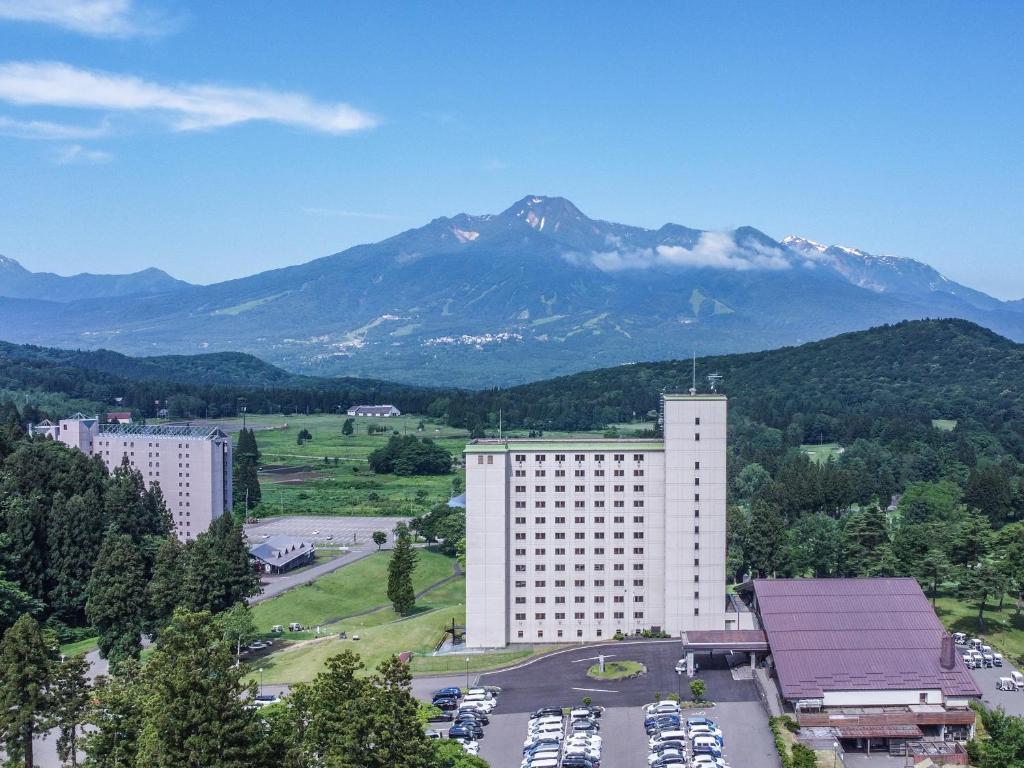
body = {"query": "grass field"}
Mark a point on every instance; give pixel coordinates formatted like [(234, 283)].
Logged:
[(946, 425), (79, 647), (1003, 629), (358, 587), (348, 488), (823, 452)]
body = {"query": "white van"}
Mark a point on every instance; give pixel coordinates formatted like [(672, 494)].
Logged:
[(997, 659), (959, 638), (1018, 678), (1006, 684)]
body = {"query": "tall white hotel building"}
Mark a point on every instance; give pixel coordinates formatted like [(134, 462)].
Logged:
[(191, 464), (573, 540)]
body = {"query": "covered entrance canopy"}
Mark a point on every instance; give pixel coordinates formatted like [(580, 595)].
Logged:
[(710, 640), (878, 732), (752, 641)]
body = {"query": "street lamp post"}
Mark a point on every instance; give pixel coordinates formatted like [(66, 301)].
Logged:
[(467, 673), (261, 681), (679, 684)]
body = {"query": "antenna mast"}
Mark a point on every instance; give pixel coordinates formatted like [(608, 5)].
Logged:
[(693, 386)]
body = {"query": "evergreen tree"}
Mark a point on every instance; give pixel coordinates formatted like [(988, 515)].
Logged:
[(26, 676), (245, 480), (400, 570), (217, 569), (124, 501), (116, 720), (14, 601), (864, 534), (164, 590), (764, 538), (813, 546), (981, 583), (26, 532), (400, 737), (348, 427), (194, 712), (71, 694), (115, 598), (74, 536)]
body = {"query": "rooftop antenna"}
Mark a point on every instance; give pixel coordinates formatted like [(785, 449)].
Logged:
[(693, 386), (713, 379), (499, 423)]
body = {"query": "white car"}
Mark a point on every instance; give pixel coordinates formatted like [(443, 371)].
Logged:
[(680, 666), (547, 719), (582, 750), (586, 739), (531, 740), (703, 730), (707, 761), (486, 706)]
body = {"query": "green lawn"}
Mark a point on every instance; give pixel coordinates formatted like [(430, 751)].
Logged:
[(616, 670), (946, 425), (380, 634), (349, 488), (351, 589), (1004, 629), (79, 647), (823, 452)]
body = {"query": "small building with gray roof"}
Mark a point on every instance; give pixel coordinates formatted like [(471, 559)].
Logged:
[(282, 553)]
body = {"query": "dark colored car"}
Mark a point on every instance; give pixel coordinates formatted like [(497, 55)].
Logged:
[(666, 745), (580, 762), (669, 760), (477, 714), (451, 692), (445, 702), (583, 726), (544, 711), (460, 731), (469, 724), (535, 746)]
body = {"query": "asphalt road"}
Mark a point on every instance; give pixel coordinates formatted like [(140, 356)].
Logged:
[(561, 680)]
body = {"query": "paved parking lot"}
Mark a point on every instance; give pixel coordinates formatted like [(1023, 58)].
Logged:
[(1011, 701), (344, 530), (560, 680)]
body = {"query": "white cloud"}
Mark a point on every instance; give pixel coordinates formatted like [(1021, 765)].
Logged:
[(41, 129), (713, 250), (334, 213), (190, 106), (97, 18), (76, 154)]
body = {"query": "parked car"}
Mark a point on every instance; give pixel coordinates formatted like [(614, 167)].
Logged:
[(295, 627), (1017, 678), (460, 732), (277, 629), (997, 659), (1006, 684), (680, 666), (449, 691), (430, 733), (959, 638)]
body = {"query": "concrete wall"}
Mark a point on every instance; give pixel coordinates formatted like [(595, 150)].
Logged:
[(487, 550)]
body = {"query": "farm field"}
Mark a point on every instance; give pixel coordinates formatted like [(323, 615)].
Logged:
[(946, 425)]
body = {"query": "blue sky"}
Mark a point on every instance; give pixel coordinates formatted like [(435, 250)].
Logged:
[(219, 139)]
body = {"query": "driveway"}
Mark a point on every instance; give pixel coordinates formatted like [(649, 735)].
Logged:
[(560, 679), (343, 530)]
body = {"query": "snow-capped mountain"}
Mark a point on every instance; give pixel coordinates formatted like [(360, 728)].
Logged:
[(537, 290), (888, 274)]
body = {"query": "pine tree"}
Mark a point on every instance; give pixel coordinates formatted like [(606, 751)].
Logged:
[(26, 676), (26, 533), (400, 570), (401, 740), (14, 601), (115, 598), (194, 712), (348, 427), (245, 482), (74, 536), (71, 694), (164, 590), (764, 538), (217, 569), (124, 502), (116, 720)]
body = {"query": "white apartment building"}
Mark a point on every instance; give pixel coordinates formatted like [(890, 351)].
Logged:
[(191, 464), (570, 540)]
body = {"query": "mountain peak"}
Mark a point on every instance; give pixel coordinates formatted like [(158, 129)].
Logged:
[(803, 244), (8, 263), (539, 212)]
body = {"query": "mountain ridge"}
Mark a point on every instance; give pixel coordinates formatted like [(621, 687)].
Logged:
[(537, 290), (17, 282)]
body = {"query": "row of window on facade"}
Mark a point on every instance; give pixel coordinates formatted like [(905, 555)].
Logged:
[(582, 567), (579, 616), (578, 473), (580, 520)]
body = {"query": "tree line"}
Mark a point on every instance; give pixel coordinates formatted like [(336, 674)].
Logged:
[(82, 550), (189, 705)]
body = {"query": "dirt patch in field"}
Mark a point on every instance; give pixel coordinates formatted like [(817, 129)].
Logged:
[(281, 469), (294, 478)]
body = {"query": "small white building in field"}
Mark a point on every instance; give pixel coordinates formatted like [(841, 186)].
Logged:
[(381, 411)]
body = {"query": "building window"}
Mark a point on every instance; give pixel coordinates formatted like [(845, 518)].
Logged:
[(559, 457), (520, 617), (539, 489), (696, 436), (538, 521), (697, 421), (696, 465), (638, 489), (540, 458), (520, 457), (696, 562), (579, 457), (598, 457), (696, 611), (638, 457), (520, 521), (490, 459), (638, 614), (619, 456)]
